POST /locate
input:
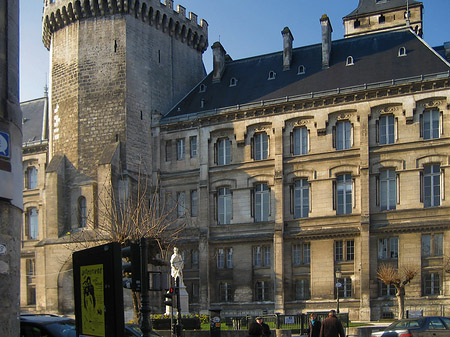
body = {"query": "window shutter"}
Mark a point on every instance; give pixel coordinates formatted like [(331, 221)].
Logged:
[(334, 136), (216, 151), (270, 197), (441, 123), (252, 147), (252, 202), (27, 224), (377, 190), (396, 129), (291, 201), (334, 195), (442, 184), (231, 150), (421, 125), (292, 141), (216, 206), (377, 131), (398, 188), (421, 186), (309, 143)]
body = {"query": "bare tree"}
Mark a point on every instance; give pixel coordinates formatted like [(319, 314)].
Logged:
[(399, 279)]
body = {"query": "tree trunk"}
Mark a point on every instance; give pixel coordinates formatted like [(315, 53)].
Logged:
[(401, 303), (136, 306)]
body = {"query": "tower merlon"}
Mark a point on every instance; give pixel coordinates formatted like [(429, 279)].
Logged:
[(61, 13)]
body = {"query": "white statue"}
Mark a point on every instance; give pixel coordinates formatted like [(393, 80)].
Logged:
[(177, 264)]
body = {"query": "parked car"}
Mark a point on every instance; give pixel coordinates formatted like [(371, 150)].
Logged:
[(434, 326), (32, 325), (134, 330)]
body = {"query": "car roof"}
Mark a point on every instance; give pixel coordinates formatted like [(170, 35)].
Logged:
[(44, 318)]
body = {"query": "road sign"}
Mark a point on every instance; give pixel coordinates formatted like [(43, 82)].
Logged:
[(338, 285), (4, 144)]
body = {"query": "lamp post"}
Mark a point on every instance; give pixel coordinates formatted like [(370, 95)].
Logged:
[(338, 275)]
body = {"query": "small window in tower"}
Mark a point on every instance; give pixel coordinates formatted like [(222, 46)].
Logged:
[(402, 51), (202, 88), (381, 19), (202, 103), (301, 70), (233, 82), (357, 23), (349, 61), (272, 75)]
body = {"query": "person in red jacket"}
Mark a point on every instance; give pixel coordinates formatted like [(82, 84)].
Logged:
[(331, 326)]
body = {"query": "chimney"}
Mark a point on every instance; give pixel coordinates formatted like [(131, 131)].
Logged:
[(218, 61), (287, 48), (447, 50), (326, 40)]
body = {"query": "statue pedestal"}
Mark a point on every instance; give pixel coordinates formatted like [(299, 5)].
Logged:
[(184, 302)]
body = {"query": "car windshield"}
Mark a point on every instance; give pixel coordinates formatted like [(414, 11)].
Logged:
[(406, 324), (63, 329)]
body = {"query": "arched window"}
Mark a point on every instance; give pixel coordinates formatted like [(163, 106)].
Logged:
[(82, 212), (233, 82), (301, 70), (272, 75), (31, 177), (402, 51), (32, 223), (349, 61), (202, 88)]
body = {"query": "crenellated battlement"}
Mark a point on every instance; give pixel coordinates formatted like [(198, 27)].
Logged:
[(162, 16)]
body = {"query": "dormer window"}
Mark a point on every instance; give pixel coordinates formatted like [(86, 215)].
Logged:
[(381, 19), (349, 61), (272, 75), (357, 23), (301, 70), (233, 82), (202, 88), (402, 51), (202, 103)]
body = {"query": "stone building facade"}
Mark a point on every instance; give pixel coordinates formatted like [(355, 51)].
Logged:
[(293, 171)]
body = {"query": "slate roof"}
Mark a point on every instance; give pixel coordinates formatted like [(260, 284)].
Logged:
[(375, 60), (33, 119), (374, 6)]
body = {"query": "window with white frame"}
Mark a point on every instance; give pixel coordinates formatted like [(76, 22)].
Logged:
[(193, 146), (260, 146), (194, 203), (301, 254), (32, 223), (262, 291), (388, 248), (301, 198), (432, 245), (223, 151), (225, 292), (431, 190), (181, 203), (300, 141), (224, 206), (261, 202), (431, 283), (261, 256), (386, 129), (225, 258), (82, 212), (345, 291), (343, 194), (31, 178), (343, 136), (388, 189), (302, 289), (430, 124), (344, 250), (180, 149)]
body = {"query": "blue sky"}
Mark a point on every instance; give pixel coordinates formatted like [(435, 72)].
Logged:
[(244, 27)]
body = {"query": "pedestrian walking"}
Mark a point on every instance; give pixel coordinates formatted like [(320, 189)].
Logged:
[(314, 326), (331, 326), (255, 330), (265, 328)]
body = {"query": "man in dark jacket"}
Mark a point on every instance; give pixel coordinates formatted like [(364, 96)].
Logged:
[(265, 328), (331, 326)]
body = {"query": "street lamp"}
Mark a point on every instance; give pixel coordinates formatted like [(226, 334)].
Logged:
[(338, 275)]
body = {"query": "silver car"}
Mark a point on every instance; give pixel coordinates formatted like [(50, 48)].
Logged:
[(433, 326)]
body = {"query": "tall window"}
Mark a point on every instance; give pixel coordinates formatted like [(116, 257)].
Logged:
[(432, 185), (301, 254), (168, 150), (261, 146), (193, 146), (194, 203), (262, 202), (344, 250), (300, 141), (194, 257), (82, 212), (223, 151), (344, 194), (31, 286), (345, 291), (225, 258), (430, 122), (224, 206), (225, 292), (343, 135), (388, 190), (180, 149), (431, 283), (32, 222), (386, 129), (181, 203), (387, 289), (31, 178), (388, 248), (302, 289), (262, 291), (261, 256), (301, 198), (432, 245)]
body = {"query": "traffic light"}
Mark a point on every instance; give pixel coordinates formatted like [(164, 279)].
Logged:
[(168, 297), (131, 269)]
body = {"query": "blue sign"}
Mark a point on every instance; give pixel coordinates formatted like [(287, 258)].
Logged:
[(4, 144)]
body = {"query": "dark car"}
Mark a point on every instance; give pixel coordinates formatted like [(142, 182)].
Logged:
[(434, 326), (33, 325)]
